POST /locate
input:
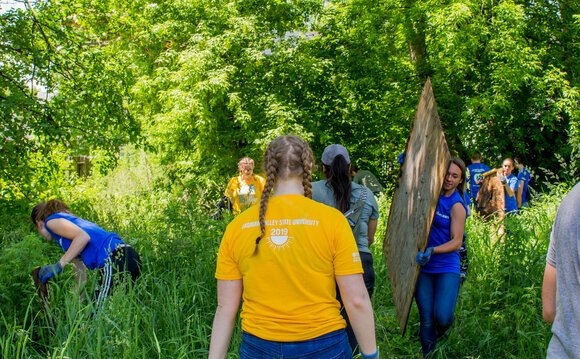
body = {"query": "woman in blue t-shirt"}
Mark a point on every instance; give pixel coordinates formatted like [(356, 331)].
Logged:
[(439, 279), (86, 245), (510, 185)]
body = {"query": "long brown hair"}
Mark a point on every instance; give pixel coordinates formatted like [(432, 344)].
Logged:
[(286, 156), (338, 177), (43, 210), (461, 186)]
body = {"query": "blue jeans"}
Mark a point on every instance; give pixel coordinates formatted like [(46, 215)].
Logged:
[(333, 345), (436, 295)]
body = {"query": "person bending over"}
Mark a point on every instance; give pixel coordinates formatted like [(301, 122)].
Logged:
[(86, 245)]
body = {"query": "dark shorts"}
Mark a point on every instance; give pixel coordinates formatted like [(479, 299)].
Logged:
[(122, 264)]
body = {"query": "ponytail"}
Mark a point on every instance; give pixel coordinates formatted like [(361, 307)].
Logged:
[(338, 176)]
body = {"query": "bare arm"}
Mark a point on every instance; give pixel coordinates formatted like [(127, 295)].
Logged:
[(372, 230), (458, 216), (65, 228), (360, 312), (229, 297), (508, 190), (549, 293)]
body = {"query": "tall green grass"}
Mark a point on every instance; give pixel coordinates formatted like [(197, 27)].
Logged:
[(168, 312)]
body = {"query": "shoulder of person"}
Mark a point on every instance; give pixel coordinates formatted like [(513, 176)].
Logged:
[(233, 180), (357, 191), (259, 178), (60, 215), (458, 206), (323, 209), (457, 198), (355, 187), (319, 185)]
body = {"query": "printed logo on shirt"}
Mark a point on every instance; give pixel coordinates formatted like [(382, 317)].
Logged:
[(355, 257), (279, 238), (441, 215)]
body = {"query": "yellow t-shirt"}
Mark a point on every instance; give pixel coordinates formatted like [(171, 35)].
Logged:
[(244, 194), (289, 285)]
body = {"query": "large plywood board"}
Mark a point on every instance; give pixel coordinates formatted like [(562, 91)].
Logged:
[(413, 205)]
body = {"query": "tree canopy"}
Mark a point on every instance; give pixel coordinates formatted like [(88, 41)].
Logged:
[(204, 83)]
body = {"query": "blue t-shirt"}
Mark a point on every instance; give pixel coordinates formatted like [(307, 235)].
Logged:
[(322, 192), (525, 176), (511, 203), (441, 233), (401, 158), (475, 173), (101, 243)]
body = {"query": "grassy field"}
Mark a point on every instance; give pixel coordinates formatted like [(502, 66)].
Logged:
[(168, 313)]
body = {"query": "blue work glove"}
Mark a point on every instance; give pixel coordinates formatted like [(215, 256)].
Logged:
[(375, 355), (48, 271), (503, 179), (422, 258)]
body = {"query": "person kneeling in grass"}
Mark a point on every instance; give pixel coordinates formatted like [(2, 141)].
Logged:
[(86, 245)]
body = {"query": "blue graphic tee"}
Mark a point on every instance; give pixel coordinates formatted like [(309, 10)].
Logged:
[(475, 173)]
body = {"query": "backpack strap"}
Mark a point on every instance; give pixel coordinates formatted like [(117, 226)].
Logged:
[(354, 213)]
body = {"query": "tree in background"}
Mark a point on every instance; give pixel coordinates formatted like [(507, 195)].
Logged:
[(59, 94), (210, 82)]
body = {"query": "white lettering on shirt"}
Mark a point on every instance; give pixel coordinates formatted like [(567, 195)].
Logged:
[(283, 222)]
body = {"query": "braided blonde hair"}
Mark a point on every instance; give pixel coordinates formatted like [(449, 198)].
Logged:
[(286, 156)]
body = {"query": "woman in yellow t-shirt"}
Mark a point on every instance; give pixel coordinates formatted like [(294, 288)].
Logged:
[(284, 259), (244, 190)]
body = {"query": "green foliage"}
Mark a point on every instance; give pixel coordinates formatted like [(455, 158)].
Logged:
[(18, 259), (209, 83), (500, 85), (59, 94)]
